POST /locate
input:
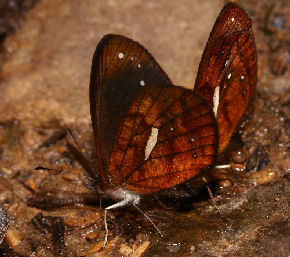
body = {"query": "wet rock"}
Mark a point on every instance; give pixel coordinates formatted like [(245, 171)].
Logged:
[(238, 156), (92, 236), (233, 228), (13, 238), (44, 90), (4, 223), (258, 160)]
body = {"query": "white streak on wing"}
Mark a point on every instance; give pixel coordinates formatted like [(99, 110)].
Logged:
[(152, 140), (223, 166), (216, 99)]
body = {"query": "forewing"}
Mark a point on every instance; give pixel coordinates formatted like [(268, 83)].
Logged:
[(168, 136), (227, 73), (121, 68)]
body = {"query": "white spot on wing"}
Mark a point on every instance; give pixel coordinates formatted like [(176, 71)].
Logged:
[(229, 76), (121, 55), (233, 19), (139, 66), (216, 99), (132, 58), (152, 140), (227, 62), (142, 83), (242, 77)]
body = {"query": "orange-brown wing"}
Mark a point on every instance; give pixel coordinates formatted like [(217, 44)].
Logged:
[(227, 73), (121, 68), (168, 136)]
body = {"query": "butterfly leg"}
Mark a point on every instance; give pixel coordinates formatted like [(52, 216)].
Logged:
[(209, 191), (106, 231), (122, 203), (148, 218), (129, 198)]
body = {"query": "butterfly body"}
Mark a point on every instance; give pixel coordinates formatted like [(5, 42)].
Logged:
[(151, 135), (122, 196)]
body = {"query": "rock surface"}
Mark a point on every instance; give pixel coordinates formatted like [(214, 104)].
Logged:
[(44, 90)]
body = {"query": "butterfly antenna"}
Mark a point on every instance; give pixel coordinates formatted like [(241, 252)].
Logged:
[(56, 171), (148, 218), (75, 141), (85, 161), (49, 169)]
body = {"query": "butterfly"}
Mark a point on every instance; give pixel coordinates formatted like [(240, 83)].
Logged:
[(151, 135)]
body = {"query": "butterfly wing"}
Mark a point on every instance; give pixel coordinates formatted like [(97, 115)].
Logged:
[(121, 68), (227, 73), (168, 136)]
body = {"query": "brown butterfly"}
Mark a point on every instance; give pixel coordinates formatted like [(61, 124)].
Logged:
[(151, 135)]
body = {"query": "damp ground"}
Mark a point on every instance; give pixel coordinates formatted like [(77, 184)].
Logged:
[(45, 66)]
